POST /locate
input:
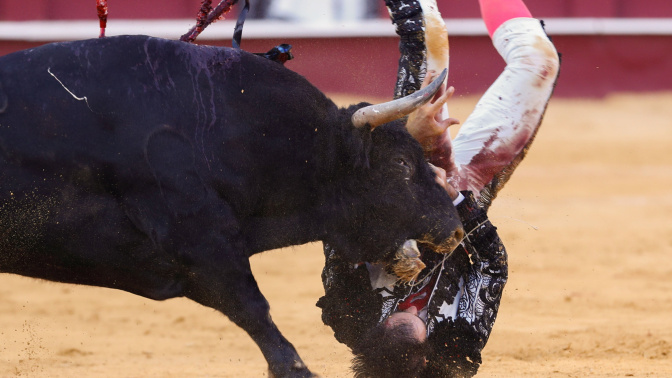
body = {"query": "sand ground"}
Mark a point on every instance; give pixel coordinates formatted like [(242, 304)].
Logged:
[(587, 223)]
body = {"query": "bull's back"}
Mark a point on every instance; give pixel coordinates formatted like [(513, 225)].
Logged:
[(109, 116), (99, 101), (99, 98)]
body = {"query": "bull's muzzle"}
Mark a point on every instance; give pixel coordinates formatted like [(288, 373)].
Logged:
[(407, 263), (448, 245)]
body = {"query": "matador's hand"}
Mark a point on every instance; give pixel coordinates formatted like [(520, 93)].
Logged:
[(424, 124)]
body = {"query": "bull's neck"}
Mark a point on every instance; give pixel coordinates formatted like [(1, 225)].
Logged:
[(265, 233)]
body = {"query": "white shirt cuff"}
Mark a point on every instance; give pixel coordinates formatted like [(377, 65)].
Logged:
[(460, 198)]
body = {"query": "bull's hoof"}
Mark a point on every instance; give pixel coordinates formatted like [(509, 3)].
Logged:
[(298, 370), (407, 264)]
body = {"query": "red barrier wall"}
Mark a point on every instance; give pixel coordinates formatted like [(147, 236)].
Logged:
[(13, 10), (569, 8), (592, 65)]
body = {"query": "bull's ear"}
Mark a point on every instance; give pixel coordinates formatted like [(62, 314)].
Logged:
[(355, 145), (361, 155), (3, 100), (342, 148)]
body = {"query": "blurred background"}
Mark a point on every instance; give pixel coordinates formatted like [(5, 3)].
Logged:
[(349, 46), (586, 218)]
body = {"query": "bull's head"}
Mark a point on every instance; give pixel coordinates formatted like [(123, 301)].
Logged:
[(399, 198)]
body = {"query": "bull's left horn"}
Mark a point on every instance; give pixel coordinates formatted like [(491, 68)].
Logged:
[(376, 115)]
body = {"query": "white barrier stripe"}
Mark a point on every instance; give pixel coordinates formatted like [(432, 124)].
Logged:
[(264, 29), (609, 26)]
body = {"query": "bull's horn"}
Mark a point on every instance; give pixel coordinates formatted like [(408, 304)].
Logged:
[(376, 115)]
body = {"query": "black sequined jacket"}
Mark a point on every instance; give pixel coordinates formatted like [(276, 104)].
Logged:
[(470, 281)]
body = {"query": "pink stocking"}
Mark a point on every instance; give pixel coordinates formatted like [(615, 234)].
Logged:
[(496, 12)]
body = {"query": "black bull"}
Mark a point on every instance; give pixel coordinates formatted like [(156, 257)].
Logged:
[(158, 167)]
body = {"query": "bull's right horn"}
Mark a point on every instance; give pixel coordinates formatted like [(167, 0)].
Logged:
[(376, 115)]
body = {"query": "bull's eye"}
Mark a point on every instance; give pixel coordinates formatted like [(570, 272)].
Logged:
[(406, 167)]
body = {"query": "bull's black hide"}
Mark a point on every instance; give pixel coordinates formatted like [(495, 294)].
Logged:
[(158, 167)]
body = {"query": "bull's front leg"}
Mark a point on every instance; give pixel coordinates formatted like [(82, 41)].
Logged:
[(223, 280)]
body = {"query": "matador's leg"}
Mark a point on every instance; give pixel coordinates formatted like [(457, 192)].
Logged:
[(496, 136)]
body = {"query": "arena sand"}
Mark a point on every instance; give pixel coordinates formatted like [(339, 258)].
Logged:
[(587, 223)]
